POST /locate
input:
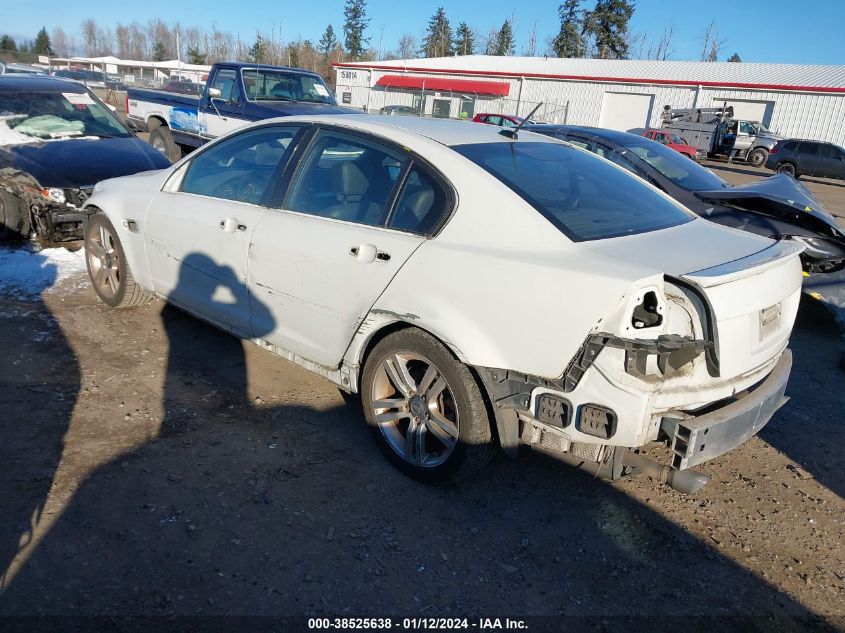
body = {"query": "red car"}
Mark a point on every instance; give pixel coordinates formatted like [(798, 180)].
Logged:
[(502, 120), (676, 143)]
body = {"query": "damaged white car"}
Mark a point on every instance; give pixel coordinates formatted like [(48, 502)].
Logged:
[(477, 288)]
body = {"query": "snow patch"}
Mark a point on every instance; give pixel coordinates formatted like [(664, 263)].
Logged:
[(26, 272)]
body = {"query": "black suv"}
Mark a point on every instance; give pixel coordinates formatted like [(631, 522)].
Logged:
[(807, 158)]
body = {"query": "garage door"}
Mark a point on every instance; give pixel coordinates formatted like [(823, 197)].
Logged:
[(749, 110), (624, 111)]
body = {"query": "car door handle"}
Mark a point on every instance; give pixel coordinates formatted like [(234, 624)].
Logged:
[(368, 253), (230, 225)]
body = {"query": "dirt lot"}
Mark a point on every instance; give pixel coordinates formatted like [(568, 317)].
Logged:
[(152, 465)]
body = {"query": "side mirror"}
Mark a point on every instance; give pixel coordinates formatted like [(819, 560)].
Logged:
[(214, 93), (131, 125)]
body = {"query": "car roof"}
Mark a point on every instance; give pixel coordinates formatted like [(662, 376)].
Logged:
[(242, 65), (612, 136), (38, 83), (447, 132)]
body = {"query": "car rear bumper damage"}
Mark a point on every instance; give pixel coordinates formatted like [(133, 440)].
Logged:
[(537, 412), (696, 439)]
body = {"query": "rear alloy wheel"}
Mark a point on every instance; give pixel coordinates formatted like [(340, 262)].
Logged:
[(108, 268), (757, 157), (425, 408), (787, 168), (14, 217), (162, 139)]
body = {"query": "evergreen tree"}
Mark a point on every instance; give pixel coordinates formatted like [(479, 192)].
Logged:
[(569, 41), (42, 44), (7, 43), (159, 52), (328, 42), (438, 37), (505, 44), (256, 51), (608, 24), (464, 40), (353, 28), (734, 58), (194, 55)]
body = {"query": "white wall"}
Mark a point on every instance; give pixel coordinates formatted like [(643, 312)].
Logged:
[(793, 114)]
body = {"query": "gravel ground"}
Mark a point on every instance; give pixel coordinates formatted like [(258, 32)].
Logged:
[(155, 466)]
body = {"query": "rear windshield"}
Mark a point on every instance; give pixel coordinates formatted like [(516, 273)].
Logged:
[(684, 172), (583, 196)]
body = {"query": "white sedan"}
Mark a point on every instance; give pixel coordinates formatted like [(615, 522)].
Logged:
[(476, 289)]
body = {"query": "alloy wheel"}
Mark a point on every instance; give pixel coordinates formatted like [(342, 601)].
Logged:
[(415, 410), (104, 261)]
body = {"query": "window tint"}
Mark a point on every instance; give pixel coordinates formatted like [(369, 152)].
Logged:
[(583, 197), (790, 146), (226, 81), (808, 148), (421, 205), (578, 142), (828, 151), (615, 157), (345, 177), (240, 168)]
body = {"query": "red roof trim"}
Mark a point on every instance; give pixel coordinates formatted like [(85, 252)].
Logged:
[(445, 83), (669, 82)]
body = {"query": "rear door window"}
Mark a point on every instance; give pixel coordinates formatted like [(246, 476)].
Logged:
[(422, 203), (790, 146), (808, 148), (346, 177)]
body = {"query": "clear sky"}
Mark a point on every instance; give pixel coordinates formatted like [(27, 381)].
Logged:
[(781, 31)]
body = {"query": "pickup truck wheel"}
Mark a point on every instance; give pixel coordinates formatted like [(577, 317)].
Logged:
[(787, 168), (425, 408), (162, 140), (108, 268), (14, 217), (758, 157)]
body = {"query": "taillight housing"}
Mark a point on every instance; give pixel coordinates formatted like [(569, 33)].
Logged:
[(774, 150)]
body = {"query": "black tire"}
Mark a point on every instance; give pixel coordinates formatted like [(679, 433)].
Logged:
[(14, 217), (120, 290), (474, 446), (787, 168), (162, 140), (757, 157)]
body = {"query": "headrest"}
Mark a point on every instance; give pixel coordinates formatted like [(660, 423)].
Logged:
[(419, 203), (348, 180)]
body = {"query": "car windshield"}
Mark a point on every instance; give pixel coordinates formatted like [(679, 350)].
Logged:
[(585, 197), (682, 171), (276, 85), (54, 115), (677, 139)]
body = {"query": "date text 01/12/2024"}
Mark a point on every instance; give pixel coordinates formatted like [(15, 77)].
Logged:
[(417, 624)]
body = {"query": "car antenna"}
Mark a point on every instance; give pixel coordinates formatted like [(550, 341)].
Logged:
[(512, 133)]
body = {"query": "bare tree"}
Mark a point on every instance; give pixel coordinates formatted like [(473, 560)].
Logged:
[(712, 45), (663, 48), (407, 46), (89, 37), (531, 49), (60, 42)]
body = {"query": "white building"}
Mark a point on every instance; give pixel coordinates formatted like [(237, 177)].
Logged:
[(795, 100)]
